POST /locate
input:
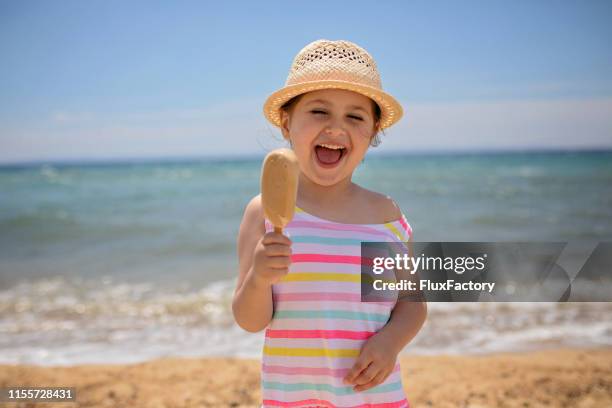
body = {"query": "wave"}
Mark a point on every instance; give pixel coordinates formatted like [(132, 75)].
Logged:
[(69, 321)]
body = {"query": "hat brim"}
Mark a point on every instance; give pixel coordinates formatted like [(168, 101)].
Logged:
[(391, 110)]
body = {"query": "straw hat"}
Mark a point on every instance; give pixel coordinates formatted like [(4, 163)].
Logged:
[(325, 64)]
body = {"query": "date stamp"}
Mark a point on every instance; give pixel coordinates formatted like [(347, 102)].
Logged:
[(37, 394)]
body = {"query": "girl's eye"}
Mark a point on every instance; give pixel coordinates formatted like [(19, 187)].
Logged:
[(320, 112)]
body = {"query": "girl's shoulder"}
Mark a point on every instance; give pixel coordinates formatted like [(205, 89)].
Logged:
[(389, 211), (381, 204)]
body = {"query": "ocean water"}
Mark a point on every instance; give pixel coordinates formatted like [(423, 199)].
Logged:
[(127, 261)]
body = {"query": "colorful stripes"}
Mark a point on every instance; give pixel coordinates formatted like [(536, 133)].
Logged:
[(321, 276), (365, 229), (319, 334), (319, 324), (403, 233), (313, 239), (317, 296), (406, 227), (299, 370), (323, 403), (329, 314), (310, 352), (395, 231), (330, 277), (345, 390), (355, 260), (324, 296)]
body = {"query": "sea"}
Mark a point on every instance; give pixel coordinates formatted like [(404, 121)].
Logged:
[(125, 261)]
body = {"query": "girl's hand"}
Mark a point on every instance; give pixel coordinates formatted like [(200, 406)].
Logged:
[(271, 258), (376, 361)]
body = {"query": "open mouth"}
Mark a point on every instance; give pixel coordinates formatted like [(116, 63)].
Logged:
[(328, 156)]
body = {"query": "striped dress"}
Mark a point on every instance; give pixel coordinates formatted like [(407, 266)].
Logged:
[(319, 322)]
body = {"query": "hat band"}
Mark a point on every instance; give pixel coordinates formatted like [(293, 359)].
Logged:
[(334, 75)]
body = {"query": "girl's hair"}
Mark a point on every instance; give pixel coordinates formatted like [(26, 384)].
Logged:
[(374, 141)]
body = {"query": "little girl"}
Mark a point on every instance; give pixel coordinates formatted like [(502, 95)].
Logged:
[(323, 345)]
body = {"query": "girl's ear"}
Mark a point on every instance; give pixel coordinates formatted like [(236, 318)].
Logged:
[(284, 123), (285, 126)]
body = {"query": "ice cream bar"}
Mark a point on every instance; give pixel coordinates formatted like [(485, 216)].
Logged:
[(279, 184)]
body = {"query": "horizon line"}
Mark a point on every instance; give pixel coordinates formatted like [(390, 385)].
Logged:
[(260, 156)]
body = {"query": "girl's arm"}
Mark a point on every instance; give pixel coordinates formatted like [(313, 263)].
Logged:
[(252, 303), (408, 315), (264, 258), (378, 355), (406, 320)]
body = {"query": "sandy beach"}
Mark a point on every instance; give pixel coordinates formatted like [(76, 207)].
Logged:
[(552, 378)]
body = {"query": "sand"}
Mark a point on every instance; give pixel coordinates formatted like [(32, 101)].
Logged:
[(554, 378)]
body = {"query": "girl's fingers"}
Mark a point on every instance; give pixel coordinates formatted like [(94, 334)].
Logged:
[(367, 375), (274, 238), (360, 364), (380, 377), (278, 250), (278, 262)]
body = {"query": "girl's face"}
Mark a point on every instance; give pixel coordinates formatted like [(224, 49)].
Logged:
[(334, 117)]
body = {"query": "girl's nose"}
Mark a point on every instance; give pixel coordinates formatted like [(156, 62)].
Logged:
[(334, 130)]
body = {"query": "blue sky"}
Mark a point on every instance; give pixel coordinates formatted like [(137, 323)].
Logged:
[(119, 79)]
